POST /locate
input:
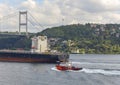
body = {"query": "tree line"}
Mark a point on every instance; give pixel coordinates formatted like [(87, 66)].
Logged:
[(88, 38)]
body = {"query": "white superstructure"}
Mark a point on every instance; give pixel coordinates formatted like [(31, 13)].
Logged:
[(40, 44)]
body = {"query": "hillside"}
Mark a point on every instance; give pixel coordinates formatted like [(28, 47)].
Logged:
[(88, 38)]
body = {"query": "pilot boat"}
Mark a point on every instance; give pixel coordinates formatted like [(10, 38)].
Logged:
[(67, 66)]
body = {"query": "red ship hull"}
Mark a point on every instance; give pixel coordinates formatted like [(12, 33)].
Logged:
[(27, 60), (62, 68), (65, 68)]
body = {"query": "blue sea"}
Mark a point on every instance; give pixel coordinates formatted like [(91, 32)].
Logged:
[(98, 69)]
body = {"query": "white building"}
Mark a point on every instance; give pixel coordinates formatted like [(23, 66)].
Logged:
[(39, 44)]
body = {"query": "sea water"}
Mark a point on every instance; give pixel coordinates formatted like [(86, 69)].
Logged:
[(98, 69)]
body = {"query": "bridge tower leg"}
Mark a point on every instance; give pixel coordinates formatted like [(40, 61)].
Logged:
[(23, 14)]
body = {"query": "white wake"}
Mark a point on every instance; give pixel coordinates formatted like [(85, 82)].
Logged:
[(94, 71), (101, 71), (96, 68)]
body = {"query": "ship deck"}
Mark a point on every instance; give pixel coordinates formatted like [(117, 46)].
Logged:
[(29, 52)]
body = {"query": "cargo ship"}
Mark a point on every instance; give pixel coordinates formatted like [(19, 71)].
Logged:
[(14, 56), (40, 53)]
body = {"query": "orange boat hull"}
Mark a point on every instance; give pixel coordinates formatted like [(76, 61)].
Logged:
[(65, 68), (62, 68)]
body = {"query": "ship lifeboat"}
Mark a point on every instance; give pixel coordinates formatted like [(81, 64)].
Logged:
[(67, 67)]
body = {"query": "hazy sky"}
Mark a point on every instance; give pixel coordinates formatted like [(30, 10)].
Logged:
[(57, 12)]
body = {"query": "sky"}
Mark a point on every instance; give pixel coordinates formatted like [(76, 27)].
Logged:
[(50, 13)]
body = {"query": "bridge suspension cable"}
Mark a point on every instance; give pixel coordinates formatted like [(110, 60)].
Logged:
[(5, 22), (36, 20), (8, 16)]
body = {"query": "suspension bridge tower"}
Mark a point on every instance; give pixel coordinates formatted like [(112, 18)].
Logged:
[(23, 21)]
